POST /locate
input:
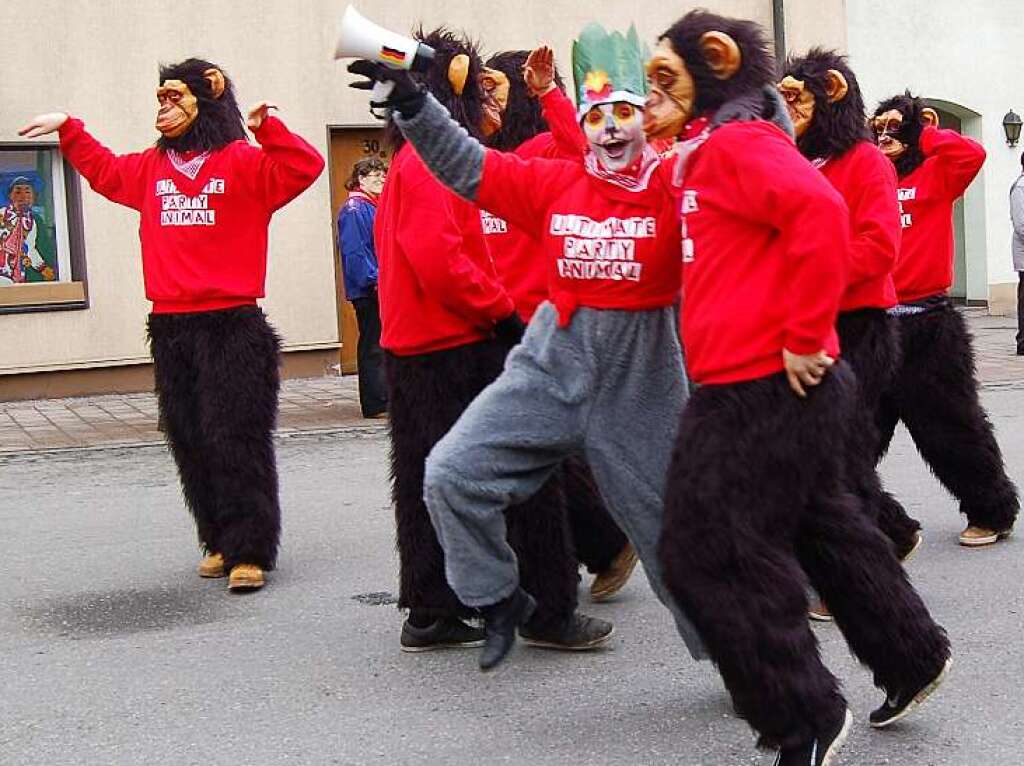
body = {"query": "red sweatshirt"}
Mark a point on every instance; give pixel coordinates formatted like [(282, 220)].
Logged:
[(438, 288), (926, 195), (608, 247), (204, 239), (867, 180), (518, 257), (765, 255)]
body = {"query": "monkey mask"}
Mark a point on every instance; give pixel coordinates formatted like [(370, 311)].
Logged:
[(179, 107), (800, 98), (494, 87), (672, 100)]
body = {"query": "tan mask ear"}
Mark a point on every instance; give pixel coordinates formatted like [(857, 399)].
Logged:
[(458, 73), (836, 86), (216, 79), (721, 53), (929, 117)]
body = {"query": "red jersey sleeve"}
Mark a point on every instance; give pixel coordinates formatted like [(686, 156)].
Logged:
[(874, 218), (429, 232), (116, 177), (521, 191), (288, 165), (560, 115), (957, 159), (776, 186)]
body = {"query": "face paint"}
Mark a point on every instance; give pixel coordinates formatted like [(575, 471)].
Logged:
[(178, 108), (886, 127), (615, 132), (799, 103), (372, 183), (22, 196), (494, 88), (672, 93)]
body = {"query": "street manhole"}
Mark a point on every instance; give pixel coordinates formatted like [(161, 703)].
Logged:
[(381, 598)]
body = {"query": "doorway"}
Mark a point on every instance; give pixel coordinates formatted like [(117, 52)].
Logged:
[(348, 146)]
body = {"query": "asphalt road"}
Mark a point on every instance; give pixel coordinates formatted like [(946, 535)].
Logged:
[(112, 651)]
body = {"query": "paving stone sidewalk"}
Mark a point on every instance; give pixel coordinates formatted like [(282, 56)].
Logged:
[(332, 403)]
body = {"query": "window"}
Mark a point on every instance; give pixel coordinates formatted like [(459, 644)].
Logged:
[(42, 264)]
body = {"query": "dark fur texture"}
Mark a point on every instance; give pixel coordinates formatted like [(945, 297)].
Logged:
[(427, 393), (756, 497), (869, 339), (220, 120), (935, 394), (217, 380), (911, 107), (835, 128), (467, 109), (523, 118), (596, 536), (757, 69)]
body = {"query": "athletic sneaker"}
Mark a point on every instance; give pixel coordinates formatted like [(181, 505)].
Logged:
[(577, 633), (447, 633), (820, 612), (903, 702), (821, 751)]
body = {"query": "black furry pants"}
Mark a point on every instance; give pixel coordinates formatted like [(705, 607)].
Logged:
[(216, 383), (869, 339), (596, 537), (426, 395), (935, 394), (757, 497)]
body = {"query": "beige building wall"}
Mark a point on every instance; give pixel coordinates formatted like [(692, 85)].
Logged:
[(98, 61)]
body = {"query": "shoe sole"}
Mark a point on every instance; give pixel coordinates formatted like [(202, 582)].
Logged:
[(913, 551), (818, 617), (213, 575), (839, 741), (919, 698), (249, 585), (433, 647), (982, 542), (539, 643)]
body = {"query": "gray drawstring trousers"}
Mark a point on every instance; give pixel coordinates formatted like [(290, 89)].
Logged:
[(609, 387)]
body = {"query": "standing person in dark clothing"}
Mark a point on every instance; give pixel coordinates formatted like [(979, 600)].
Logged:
[(1017, 218), (359, 264)]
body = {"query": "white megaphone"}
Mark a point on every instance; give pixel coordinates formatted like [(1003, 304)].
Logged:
[(360, 38)]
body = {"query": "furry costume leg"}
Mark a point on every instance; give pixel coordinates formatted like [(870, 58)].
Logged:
[(936, 396), (427, 394), (755, 497), (870, 345), (597, 537), (234, 381)]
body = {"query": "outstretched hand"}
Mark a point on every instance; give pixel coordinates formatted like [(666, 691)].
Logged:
[(258, 113), (404, 94), (539, 71), (805, 369), (43, 124)]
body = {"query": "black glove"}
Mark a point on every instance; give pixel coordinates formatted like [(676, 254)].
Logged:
[(510, 330), (406, 96)]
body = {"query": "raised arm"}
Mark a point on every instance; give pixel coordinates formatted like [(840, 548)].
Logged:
[(557, 108), (116, 177), (958, 158), (288, 164)]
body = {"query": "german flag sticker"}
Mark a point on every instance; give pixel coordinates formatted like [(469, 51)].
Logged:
[(391, 54)]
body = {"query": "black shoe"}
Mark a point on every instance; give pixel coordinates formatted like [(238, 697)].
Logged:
[(577, 633), (821, 751), (500, 623), (905, 701), (446, 633)]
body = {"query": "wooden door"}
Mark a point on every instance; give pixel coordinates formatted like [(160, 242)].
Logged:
[(348, 145)]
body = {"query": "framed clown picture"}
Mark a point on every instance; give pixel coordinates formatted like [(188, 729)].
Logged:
[(41, 259)]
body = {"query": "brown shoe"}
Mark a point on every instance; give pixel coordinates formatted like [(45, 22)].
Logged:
[(820, 612), (212, 566), (978, 537), (245, 577), (607, 584)]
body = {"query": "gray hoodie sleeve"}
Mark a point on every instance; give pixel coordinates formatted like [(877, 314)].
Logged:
[(454, 157), (1017, 208)]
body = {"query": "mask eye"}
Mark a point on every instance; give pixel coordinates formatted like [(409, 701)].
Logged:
[(594, 118), (624, 112)]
